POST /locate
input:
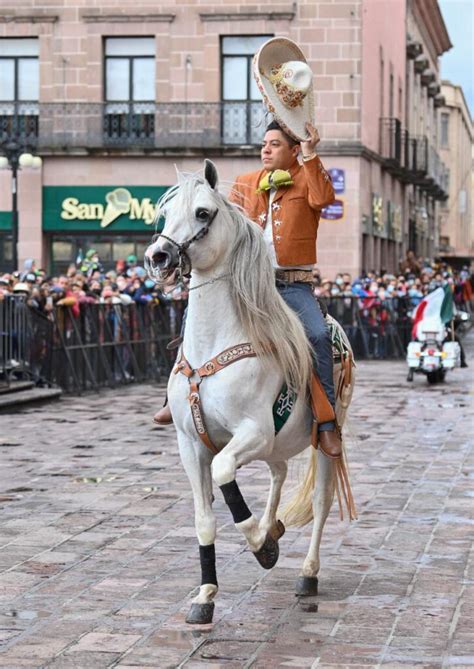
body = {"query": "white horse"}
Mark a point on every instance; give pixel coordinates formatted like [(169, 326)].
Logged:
[(227, 421)]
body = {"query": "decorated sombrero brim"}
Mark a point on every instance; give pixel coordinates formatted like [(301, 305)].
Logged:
[(285, 82)]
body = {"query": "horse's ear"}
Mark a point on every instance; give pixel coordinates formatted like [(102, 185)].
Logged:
[(210, 173), (179, 175)]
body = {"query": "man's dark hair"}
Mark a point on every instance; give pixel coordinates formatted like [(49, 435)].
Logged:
[(274, 126)]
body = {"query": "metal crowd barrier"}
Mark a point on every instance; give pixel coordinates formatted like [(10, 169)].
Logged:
[(15, 337), (377, 329), (106, 345), (112, 344)]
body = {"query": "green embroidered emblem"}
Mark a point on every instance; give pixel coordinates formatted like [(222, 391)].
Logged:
[(283, 407)]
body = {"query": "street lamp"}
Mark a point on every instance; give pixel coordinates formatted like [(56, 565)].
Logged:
[(14, 156)]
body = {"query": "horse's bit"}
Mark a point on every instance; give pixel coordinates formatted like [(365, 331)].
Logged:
[(184, 262)]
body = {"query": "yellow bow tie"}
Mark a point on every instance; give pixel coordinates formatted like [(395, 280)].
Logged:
[(275, 179)]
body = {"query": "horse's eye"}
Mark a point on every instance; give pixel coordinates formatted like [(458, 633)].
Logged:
[(202, 214)]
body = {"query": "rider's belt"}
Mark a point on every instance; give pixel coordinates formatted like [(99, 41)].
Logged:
[(294, 275)]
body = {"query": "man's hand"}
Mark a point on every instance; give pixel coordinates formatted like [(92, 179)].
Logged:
[(308, 148)]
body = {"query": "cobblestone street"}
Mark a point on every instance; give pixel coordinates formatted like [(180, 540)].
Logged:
[(98, 556)]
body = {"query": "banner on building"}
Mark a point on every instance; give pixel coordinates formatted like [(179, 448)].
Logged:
[(95, 208)]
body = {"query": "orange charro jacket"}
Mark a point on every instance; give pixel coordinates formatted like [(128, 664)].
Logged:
[(295, 209)]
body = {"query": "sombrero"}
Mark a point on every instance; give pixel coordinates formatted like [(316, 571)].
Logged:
[(285, 81)]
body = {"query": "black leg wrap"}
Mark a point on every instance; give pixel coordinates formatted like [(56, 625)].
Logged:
[(235, 501), (207, 555)]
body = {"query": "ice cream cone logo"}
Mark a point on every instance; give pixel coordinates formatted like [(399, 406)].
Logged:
[(118, 203)]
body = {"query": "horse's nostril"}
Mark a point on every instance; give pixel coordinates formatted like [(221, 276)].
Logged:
[(161, 259)]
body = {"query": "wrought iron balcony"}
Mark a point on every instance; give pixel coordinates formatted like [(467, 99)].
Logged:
[(438, 176), (132, 125), (411, 159), (418, 159), (396, 148), (391, 144)]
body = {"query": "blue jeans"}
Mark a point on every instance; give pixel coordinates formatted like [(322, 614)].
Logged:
[(299, 297)]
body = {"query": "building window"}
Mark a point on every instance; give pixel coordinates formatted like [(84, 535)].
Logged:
[(19, 89), (241, 99), (445, 130), (67, 250), (129, 89)]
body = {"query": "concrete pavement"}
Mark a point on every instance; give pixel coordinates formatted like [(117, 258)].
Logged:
[(98, 556)]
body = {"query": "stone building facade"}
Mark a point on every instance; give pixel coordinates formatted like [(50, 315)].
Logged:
[(114, 95), (427, 40), (456, 149)]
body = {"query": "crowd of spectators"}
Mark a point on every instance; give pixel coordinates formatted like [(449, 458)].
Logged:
[(415, 279), (374, 309), (87, 283)]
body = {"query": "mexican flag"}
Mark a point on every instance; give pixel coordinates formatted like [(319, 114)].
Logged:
[(438, 304)]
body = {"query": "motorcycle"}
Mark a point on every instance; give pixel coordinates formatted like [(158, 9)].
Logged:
[(435, 350)]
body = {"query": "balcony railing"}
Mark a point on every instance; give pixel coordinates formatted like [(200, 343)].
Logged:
[(132, 125), (411, 158), (19, 120)]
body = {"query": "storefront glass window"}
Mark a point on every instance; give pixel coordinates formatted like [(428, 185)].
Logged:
[(67, 250), (6, 258), (63, 251), (121, 250), (104, 249), (141, 247)]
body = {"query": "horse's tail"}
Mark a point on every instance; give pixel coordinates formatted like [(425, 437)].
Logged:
[(299, 510)]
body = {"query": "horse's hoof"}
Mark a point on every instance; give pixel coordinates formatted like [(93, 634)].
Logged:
[(306, 586), (268, 554), (200, 614)]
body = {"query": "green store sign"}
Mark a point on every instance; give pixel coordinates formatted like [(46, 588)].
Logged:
[(96, 208)]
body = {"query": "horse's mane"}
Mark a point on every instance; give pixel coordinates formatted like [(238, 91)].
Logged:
[(268, 323)]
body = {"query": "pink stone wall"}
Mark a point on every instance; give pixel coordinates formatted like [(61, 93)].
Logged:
[(71, 35), (383, 36), (340, 38), (30, 233)]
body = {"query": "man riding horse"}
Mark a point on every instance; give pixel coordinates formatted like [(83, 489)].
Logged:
[(286, 199)]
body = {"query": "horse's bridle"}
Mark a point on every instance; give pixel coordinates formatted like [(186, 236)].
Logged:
[(184, 261)]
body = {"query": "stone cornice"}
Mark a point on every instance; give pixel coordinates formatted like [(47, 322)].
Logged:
[(288, 15), (342, 149), (29, 18), (128, 18), (432, 19)]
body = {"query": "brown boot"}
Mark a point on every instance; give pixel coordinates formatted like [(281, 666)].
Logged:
[(163, 416), (330, 443)]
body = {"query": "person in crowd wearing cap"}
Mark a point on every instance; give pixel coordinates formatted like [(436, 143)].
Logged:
[(286, 198), (5, 286), (29, 268), (91, 263)]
